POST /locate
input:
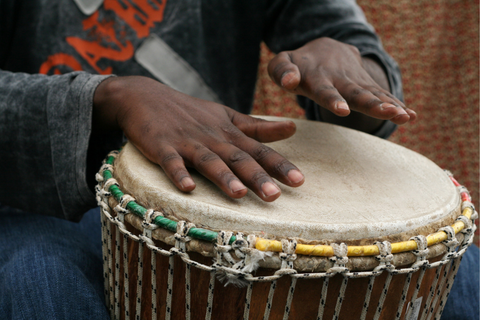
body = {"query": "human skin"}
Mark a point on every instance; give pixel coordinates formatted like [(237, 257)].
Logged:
[(177, 131)]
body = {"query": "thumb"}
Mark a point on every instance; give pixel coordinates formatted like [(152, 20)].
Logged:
[(262, 130), (284, 72)]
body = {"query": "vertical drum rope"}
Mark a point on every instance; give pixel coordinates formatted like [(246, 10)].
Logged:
[(211, 290), (138, 308), (323, 298), (268, 306), (248, 300)]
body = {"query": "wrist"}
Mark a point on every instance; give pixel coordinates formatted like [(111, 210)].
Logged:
[(104, 109)]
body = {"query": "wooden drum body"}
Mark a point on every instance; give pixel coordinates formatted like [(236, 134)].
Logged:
[(376, 232)]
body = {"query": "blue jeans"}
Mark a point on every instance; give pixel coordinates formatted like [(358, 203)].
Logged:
[(52, 269)]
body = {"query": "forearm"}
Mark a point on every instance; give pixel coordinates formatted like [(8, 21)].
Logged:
[(45, 124)]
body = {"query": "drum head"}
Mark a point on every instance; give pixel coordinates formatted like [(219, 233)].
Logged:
[(357, 187)]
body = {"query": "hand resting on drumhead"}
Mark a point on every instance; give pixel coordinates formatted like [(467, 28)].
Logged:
[(336, 77), (175, 130)]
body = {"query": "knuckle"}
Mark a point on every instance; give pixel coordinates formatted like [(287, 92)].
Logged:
[(238, 157), (323, 90), (224, 175), (178, 173), (231, 132), (259, 177), (331, 98), (169, 158), (354, 49), (372, 103), (205, 158), (282, 167), (356, 92), (261, 152)]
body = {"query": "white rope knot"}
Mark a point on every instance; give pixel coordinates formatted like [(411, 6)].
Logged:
[(222, 247), (121, 207), (229, 270), (147, 237), (149, 219), (339, 258), (421, 252), (248, 255), (467, 222), (462, 189), (385, 249), (467, 204), (287, 256), (99, 177), (181, 237), (106, 187), (109, 183), (339, 254), (474, 215), (239, 245), (385, 257), (451, 243), (113, 153), (106, 167), (288, 247)]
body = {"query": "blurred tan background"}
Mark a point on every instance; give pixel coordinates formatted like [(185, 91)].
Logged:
[(436, 44)]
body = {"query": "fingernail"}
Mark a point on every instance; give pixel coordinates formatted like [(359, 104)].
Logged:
[(269, 189), (385, 106), (342, 105), (236, 186), (295, 176), (397, 117), (187, 182), (287, 78)]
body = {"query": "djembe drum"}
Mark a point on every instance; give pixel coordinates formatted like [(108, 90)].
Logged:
[(376, 232)]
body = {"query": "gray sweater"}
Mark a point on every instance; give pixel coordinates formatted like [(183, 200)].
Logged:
[(52, 57)]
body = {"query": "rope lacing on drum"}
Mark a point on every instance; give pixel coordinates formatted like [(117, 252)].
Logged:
[(421, 252), (105, 191), (252, 255), (339, 258), (244, 253), (148, 227), (287, 256), (181, 238), (451, 243), (385, 257), (224, 262)]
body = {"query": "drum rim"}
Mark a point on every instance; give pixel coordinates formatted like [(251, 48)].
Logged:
[(112, 188)]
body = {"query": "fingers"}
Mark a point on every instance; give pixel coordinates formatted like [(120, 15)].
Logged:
[(284, 72), (273, 163), (174, 167), (227, 166), (318, 88), (376, 103), (234, 168)]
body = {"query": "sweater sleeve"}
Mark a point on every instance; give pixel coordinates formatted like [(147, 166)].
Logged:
[(45, 129), (291, 24)]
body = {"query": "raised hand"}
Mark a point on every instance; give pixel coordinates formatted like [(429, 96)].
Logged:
[(333, 75), (175, 130)]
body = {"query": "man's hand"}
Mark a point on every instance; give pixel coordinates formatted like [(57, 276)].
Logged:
[(332, 74), (175, 130)]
